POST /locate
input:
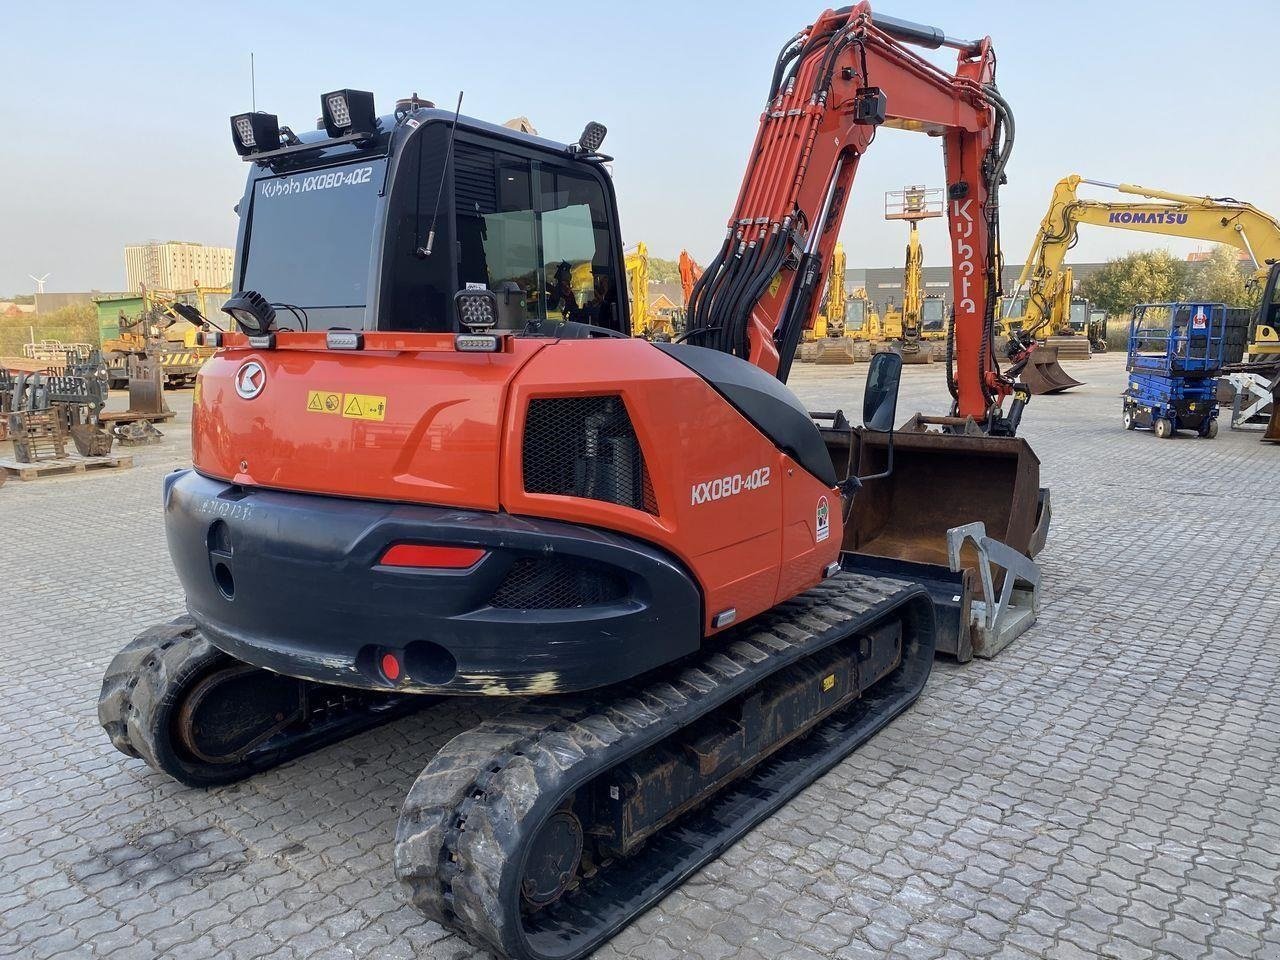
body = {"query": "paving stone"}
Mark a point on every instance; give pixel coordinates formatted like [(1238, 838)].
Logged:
[(1104, 788)]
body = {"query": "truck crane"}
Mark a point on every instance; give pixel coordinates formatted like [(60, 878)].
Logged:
[(1046, 281), (445, 469)]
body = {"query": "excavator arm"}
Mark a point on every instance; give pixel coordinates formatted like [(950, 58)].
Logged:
[(1215, 219), (833, 85)]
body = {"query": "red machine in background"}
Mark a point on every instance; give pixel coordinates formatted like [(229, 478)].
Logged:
[(445, 469)]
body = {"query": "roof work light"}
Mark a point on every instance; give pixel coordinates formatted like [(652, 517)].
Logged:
[(348, 111), (255, 132)]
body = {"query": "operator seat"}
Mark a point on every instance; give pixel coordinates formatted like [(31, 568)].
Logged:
[(764, 400)]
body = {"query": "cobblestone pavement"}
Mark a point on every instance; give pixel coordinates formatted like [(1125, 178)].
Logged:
[(1107, 787)]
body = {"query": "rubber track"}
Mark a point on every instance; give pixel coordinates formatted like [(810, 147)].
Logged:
[(147, 680), (467, 818)]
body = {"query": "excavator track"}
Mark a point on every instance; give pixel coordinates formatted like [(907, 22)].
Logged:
[(543, 831), (173, 699)]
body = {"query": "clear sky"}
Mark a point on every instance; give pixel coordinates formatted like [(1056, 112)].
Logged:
[(114, 116)]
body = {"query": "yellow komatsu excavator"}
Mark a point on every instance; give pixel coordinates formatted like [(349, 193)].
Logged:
[(1046, 283)]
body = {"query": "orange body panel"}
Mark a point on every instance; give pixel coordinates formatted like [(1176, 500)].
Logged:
[(739, 513)]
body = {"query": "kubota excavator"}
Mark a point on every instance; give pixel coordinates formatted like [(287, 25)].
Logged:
[(429, 463)]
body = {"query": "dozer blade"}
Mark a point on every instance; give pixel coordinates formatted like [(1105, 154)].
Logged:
[(898, 525), (838, 350), (1042, 373)]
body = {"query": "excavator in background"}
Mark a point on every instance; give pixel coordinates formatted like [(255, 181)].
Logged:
[(912, 204), (645, 322), (1046, 281), (690, 271), (467, 478), (832, 344)]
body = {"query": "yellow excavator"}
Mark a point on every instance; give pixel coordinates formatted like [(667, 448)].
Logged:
[(831, 345), (912, 204), (1046, 283), (645, 321)]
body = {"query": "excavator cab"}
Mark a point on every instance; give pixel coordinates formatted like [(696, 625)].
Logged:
[(375, 229)]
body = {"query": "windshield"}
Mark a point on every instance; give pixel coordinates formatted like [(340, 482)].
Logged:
[(310, 239), (855, 314), (932, 313), (1079, 315)]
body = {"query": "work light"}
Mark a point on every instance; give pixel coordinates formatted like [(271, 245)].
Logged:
[(592, 137), (477, 309), (255, 132), (348, 111), (250, 310)]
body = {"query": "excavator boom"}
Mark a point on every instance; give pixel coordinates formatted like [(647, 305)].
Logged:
[(834, 83)]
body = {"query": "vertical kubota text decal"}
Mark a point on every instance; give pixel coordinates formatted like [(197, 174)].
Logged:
[(824, 519), (962, 226)]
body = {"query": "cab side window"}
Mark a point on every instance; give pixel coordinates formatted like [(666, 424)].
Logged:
[(535, 234)]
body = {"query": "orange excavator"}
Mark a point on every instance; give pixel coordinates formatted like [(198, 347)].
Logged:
[(428, 463), (690, 272)]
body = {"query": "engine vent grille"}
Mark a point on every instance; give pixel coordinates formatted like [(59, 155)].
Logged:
[(555, 583), (585, 447)]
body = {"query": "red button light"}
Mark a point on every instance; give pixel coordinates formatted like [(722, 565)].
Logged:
[(390, 667)]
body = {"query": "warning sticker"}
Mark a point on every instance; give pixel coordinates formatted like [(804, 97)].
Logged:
[(828, 682), (359, 406), (775, 283), (824, 520), (324, 401)]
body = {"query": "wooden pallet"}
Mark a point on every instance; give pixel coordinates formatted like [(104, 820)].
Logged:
[(61, 465)]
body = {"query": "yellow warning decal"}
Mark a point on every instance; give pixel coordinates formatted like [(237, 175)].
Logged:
[(359, 406), (324, 401), (195, 394), (828, 682), (775, 283)]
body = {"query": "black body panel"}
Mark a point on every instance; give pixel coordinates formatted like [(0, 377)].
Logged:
[(551, 607)]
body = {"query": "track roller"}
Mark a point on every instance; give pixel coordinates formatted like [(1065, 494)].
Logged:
[(173, 699)]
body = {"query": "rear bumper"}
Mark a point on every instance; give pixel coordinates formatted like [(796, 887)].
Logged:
[(292, 582)]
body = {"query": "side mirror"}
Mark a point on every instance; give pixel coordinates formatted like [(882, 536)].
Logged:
[(880, 398)]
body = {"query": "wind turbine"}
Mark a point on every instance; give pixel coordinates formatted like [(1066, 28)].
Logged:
[(39, 281)]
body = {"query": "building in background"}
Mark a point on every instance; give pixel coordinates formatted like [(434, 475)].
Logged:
[(176, 265)]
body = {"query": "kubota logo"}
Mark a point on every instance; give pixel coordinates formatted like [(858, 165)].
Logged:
[(250, 379)]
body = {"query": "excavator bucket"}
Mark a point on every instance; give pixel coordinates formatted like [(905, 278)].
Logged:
[(1273, 425), (898, 525), (920, 352), (1042, 373)]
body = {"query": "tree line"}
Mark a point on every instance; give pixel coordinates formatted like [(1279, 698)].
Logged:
[(1157, 276)]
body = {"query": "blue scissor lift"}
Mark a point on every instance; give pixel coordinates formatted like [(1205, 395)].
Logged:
[(1175, 354)]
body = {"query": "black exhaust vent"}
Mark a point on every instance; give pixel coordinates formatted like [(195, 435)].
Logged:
[(557, 583), (585, 447)]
